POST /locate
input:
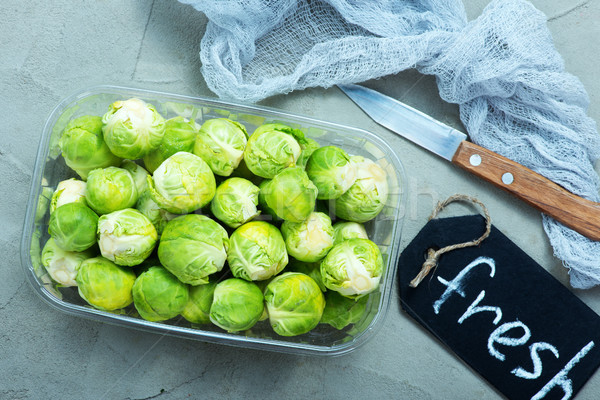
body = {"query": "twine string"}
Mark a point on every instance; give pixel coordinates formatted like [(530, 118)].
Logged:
[(433, 255)]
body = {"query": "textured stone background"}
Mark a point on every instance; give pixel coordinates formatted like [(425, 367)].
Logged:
[(52, 49)]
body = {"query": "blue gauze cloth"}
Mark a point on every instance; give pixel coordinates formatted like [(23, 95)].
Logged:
[(514, 95)]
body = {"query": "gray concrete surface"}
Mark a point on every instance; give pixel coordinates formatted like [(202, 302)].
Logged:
[(52, 48)]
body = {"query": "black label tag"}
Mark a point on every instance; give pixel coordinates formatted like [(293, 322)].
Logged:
[(501, 312)]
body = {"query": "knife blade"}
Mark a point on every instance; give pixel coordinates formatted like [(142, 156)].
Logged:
[(577, 213)]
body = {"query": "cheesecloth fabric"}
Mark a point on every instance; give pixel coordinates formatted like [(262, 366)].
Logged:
[(502, 69)]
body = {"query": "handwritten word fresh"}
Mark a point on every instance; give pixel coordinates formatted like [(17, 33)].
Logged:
[(520, 333)]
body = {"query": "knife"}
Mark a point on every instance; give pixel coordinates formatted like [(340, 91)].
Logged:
[(577, 213)]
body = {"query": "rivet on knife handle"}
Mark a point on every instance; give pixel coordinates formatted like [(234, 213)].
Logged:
[(573, 211)]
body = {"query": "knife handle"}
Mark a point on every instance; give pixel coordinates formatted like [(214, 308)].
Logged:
[(573, 211)]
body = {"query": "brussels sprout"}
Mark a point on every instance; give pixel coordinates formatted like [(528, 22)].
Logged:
[(268, 214), (353, 267), (312, 269), (186, 110), (126, 237), (43, 204), (367, 196), (309, 240), (180, 134), (270, 149), (158, 216), (182, 183), (308, 147), (192, 247), (290, 194), (257, 251), (344, 230), (221, 143), (132, 128), (158, 295), (104, 284), (68, 191), (35, 251), (331, 171), (235, 202), (83, 146), (110, 189), (62, 265), (294, 303), (73, 227), (237, 305), (197, 309), (139, 174), (341, 311), (265, 315)]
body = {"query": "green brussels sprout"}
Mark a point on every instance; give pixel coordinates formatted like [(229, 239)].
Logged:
[(83, 146), (62, 265), (331, 171), (182, 183), (104, 284), (344, 230), (367, 196), (43, 204), (309, 240), (268, 214), (256, 251), (312, 269), (132, 128), (35, 251), (110, 189), (158, 295), (158, 216), (197, 309), (221, 143), (294, 303), (353, 268), (237, 305), (180, 135), (126, 237), (341, 311), (265, 315), (68, 191), (290, 194), (270, 149), (308, 147), (139, 174), (73, 227), (186, 110), (192, 247), (235, 202)]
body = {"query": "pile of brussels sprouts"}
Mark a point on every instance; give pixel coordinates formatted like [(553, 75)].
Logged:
[(160, 206)]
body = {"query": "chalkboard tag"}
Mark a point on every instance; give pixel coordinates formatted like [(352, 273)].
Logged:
[(500, 311)]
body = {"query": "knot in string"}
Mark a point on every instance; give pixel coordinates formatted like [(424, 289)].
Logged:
[(433, 255)]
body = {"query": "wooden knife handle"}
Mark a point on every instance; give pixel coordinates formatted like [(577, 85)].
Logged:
[(573, 211)]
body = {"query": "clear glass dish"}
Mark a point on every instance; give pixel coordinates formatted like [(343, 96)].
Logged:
[(50, 168)]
